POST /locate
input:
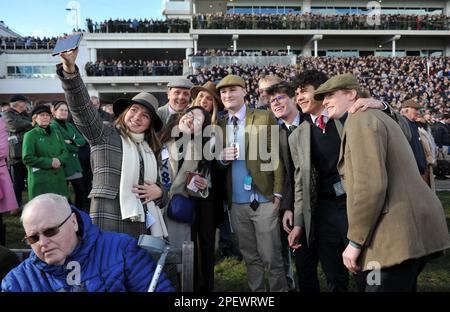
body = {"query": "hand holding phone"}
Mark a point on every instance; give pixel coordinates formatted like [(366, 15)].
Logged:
[(66, 44)]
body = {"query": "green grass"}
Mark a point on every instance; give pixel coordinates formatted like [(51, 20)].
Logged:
[(436, 275), (230, 274)]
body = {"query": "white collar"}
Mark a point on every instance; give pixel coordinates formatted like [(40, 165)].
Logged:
[(240, 114), (296, 121), (324, 113)]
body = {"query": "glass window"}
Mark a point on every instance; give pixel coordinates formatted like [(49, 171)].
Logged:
[(31, 71), (347, 53), (27, 69), (398, 53)]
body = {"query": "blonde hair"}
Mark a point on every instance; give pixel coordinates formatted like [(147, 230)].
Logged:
[(270, 79), (196, 102), (33, 119)]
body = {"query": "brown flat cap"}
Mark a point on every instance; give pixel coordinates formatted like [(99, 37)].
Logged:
[(231, 80), (411, 103), (339, 82)]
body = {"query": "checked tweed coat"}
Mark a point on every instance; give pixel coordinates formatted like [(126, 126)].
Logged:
[(106, 158)]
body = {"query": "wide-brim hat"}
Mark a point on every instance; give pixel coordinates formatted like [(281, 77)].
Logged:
[(42, 108), (145, 99), (209, 87), (339, 82)]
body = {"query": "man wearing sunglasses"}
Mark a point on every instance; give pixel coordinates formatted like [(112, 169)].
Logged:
[(70, 254)]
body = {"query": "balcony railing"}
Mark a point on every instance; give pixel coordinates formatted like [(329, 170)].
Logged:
[(207, 61), (27, 45)]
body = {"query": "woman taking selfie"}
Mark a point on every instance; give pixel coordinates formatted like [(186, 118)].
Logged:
[(126, 194)]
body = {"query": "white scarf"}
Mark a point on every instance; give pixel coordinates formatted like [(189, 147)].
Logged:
[(130, 205)]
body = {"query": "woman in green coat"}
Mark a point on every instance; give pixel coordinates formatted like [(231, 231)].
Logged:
[(44, 153), (73, 140)]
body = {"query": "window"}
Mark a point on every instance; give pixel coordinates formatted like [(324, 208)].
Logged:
[(31, 71)]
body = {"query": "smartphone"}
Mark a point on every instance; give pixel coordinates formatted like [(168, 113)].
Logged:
[(67, 44)]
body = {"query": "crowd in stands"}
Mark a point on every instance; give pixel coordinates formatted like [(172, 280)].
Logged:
[(388, 79), (172, 25), (219, 52), (320, 21), (135, 68), (27, 43)]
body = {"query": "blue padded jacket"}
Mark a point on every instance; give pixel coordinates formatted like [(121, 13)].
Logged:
[(108, 261)]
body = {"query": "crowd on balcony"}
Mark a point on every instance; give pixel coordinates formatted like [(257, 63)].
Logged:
[(320, 21), (172, 25), (27, 43), (386, 78), (134, 68), (219, 52)]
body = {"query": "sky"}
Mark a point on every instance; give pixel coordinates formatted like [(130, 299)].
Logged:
[(50, 18)]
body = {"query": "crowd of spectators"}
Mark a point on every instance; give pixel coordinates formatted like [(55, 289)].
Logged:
[(218, 52), (386, 78), (134, 68), (27, 43), (172, 25), (320, 21)]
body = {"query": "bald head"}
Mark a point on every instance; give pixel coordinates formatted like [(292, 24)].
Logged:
[(46, 204), (51, 227)]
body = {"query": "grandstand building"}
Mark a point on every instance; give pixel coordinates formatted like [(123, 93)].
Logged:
[(294, 28)]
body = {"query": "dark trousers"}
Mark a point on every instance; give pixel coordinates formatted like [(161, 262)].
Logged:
[(2, 231), (84, 156), (78, 187), (204, 233), (287, 258), (19, 175), (225, 242), (399, 278), (331, 241), (306, 261)]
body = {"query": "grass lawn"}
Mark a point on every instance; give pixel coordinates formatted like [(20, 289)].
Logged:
[(230, 273)]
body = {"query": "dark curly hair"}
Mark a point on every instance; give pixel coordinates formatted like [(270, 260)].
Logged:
[(310, 77)]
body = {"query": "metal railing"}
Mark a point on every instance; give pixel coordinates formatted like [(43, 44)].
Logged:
[(207, 61), (27, 45)]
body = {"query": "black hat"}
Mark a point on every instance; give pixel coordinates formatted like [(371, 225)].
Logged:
[(43, 108), (17, 98), (145, 99)]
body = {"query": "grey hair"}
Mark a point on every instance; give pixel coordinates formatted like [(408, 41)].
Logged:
[(46, 201)]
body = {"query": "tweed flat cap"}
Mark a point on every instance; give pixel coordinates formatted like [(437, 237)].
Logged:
[(411, 103), (231, 80), (340, 82), (182, 83)]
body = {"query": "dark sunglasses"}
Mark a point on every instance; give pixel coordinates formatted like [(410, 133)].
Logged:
[(32, 239)]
